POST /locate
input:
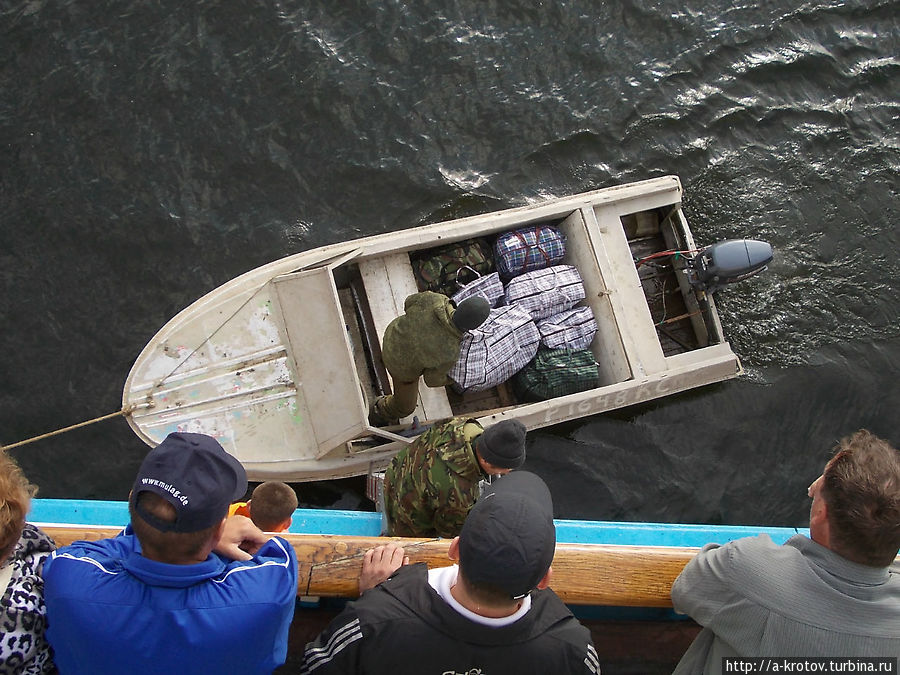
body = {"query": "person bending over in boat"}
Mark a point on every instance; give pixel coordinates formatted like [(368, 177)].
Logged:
[(271, 506), (834, 594), (491, 613), (23, 551), (432, 483), (423, 342), (177, 591)]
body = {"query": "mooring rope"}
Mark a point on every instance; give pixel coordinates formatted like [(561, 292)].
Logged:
[(127, 410)]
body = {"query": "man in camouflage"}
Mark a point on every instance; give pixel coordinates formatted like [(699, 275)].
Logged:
[(432, 483), (423, 341)]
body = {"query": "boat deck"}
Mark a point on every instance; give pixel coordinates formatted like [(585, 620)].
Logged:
[(381, 285)]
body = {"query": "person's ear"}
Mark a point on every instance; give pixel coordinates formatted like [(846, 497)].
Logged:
[(819, 527), (545, 580), (453, 551), (220, 530)]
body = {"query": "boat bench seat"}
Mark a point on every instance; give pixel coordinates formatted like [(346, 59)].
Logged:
[(388, 281)]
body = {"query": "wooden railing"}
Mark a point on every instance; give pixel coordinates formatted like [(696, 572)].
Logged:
[(583, 574)]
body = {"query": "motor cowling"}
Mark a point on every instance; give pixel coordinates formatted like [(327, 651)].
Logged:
[(728, 261)]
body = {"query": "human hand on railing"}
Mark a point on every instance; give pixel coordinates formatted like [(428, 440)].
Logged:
[(240, 539), (379, 563)]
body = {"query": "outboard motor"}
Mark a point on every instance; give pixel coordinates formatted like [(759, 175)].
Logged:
[(728, 261)]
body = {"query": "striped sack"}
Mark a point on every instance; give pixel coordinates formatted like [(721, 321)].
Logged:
[(496, 350), (528, 248), (488, 287), (571, 329), (556, 372), (546, 292)]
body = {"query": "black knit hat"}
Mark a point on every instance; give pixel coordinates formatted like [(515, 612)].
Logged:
[(195, 475), (503, 444), (471, 313), (508, 539)]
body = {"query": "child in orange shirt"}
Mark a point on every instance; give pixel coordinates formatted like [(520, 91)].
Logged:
[(270, 506)]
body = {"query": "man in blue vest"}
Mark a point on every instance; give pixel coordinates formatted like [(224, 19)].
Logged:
[(183, 589)]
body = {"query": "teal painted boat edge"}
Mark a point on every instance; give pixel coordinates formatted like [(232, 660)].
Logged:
[(368, 524), (115, 514), (78, 512), (663, 534)]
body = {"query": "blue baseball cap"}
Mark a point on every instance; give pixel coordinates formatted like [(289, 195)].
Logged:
[(195, 475)]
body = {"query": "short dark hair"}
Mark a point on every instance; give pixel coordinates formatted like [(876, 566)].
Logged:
[(272, 503), (861, 489), (486, 594), (168, 547)]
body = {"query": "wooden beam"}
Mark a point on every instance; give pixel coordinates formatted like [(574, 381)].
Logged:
[(583, 574)]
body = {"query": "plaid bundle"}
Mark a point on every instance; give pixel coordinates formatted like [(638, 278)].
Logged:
[(543, 293), (556, 372), (496, 350), (488, 287), (528, 248), (571, 329)]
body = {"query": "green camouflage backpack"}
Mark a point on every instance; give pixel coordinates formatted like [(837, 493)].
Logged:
[(441, 269)]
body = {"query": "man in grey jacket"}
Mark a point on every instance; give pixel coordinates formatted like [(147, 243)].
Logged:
[(834, 594)]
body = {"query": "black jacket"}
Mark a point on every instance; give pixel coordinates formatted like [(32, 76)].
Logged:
[(404, 626)]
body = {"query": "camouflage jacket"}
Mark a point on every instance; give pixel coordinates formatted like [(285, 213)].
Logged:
[(422, 341), (432, 483)]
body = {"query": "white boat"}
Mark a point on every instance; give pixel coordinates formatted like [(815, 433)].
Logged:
[(281, 363)]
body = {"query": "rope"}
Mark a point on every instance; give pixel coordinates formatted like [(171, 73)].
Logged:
[(127, 410), (124, 411), (679, 317), (205, 340)]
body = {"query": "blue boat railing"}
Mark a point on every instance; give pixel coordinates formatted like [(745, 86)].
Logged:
[(368, 524)]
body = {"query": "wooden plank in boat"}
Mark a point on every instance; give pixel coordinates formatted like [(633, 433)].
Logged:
[(389, 280), (670, 232), (636, 328), (607, 346), (323, 358), (356, 340)]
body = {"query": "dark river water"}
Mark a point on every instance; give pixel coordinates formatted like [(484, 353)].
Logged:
[(150, 151)]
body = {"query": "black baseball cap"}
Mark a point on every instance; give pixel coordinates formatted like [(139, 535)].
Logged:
[(195, 475), (508, 539)]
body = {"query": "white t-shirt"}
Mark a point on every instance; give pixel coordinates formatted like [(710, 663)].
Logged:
[(442, 579)]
